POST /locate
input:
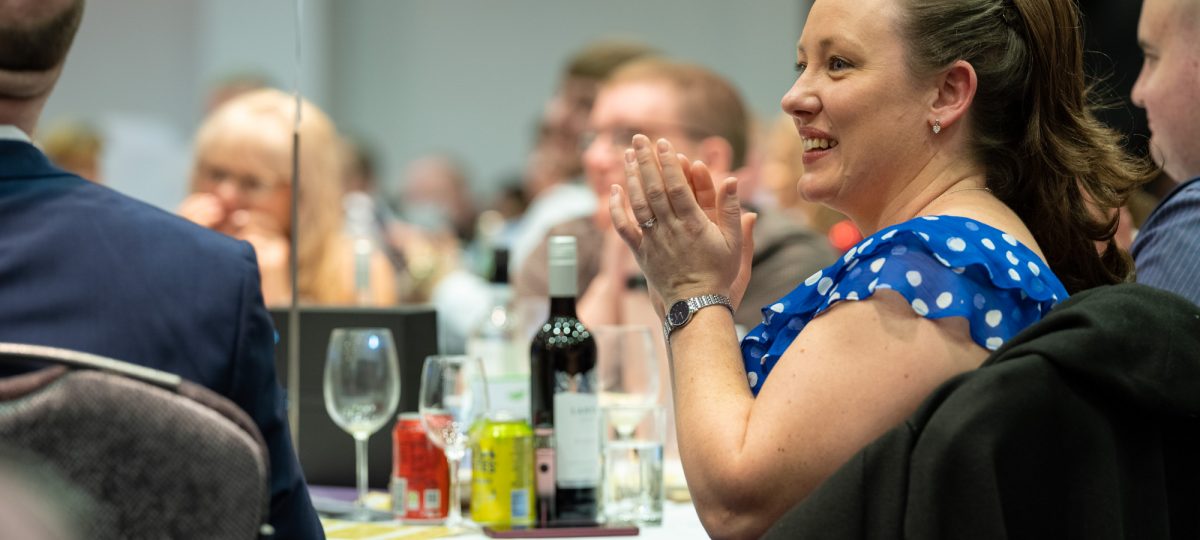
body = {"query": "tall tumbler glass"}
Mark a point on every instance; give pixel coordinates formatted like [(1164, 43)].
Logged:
[(632, 490)]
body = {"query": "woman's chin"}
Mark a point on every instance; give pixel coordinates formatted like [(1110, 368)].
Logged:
[(812, 189)]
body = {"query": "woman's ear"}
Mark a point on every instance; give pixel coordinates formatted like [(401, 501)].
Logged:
[(955, 91)]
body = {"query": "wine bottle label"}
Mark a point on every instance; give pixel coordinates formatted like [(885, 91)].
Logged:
[(577, 440), (579, 382), (501, 357)]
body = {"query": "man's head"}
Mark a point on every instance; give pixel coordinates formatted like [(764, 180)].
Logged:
[(76, 147), (566, 114), (697, 110), (435, 192), (1169, 84), (592, 65), (35, 36)]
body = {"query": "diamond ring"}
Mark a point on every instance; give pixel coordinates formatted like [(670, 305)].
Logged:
[(648, 223)]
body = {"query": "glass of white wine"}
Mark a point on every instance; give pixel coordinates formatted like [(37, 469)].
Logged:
[(453, 400), (362, 390), (628, 366)]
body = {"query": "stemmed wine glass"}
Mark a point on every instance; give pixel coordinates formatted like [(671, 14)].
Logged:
[(628, 367), (453, 399), (362, 390)]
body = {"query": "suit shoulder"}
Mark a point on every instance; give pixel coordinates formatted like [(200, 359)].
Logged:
[(159, 230)]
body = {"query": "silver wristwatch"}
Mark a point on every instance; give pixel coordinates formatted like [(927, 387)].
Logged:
[(680, 313)]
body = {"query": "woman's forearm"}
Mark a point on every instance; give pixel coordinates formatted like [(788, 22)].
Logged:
[(713, 406)]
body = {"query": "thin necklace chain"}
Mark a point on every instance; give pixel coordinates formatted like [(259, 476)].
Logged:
[(987, 189)]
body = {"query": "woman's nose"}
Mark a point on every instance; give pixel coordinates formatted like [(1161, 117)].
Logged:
[(229, 195), (598, 154), (800, 101)]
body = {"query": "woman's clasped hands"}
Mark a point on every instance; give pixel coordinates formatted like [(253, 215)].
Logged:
[(690, 235)]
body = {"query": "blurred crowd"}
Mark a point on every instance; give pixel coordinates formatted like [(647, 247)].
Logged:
[(426, 236), (605, 164)]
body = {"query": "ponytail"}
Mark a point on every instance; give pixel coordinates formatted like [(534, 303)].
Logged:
[(1033, 125)]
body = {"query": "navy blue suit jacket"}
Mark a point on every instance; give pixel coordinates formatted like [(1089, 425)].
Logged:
[(86, 268)]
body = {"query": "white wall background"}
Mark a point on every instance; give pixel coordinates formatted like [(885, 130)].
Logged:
[(410, 76), (470, 76), (140, 70)]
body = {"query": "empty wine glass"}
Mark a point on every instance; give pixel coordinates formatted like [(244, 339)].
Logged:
[(362, 389), (453, 399), (628, 366)]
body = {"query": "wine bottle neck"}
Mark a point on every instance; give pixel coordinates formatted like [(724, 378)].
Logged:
[(363, 251), (562, 306), (502, 294), (563, 280)]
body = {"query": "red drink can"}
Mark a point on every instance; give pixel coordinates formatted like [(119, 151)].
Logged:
[(420, 474)]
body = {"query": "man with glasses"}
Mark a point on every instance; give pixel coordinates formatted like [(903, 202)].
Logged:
[(554, 166), (89, 269), (703, 116)]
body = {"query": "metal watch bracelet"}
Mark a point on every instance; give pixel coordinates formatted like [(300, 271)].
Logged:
[(680, 313)]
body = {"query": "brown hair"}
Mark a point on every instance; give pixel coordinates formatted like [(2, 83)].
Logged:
[(38, 45), (268, 116), (1047, 156), (708, 102), (600, 59), (72, 142)]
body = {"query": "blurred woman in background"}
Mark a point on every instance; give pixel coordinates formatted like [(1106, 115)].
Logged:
[(241, 185)]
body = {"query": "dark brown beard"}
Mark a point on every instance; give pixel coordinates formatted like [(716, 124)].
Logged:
[(40, 45)]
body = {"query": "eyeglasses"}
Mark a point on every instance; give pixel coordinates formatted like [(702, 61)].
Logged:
[(251, 187), (619, 137)]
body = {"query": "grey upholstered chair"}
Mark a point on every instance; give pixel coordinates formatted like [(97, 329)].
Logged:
[(141, 453)]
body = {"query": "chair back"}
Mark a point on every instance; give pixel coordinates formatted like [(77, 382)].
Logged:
[(154, 456), (1084, 425)]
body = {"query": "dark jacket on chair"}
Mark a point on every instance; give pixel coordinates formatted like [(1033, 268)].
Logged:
[(83, 267), (1085, 425)]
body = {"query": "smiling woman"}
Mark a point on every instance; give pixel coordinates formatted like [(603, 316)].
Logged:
[(957, 136)]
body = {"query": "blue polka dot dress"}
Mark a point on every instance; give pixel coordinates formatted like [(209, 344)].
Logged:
[(944, 266)]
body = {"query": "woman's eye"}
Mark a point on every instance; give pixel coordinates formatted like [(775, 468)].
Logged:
[(800, 67), (837, 64), (214, 173)]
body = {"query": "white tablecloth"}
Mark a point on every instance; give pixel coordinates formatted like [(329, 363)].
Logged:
[(679, 521)]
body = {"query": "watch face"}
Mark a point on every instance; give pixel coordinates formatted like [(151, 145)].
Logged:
[(678, 313)]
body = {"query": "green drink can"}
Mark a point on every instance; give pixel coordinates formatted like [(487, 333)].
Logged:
[(502, 472)]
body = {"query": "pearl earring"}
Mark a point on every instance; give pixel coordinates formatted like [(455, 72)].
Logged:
[(937, 127)]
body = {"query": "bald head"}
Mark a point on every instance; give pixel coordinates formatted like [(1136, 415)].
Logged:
[(35, 36), (1169, 84), (1187, 13)]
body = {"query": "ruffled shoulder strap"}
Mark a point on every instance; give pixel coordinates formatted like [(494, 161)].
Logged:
[(943, 266)]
